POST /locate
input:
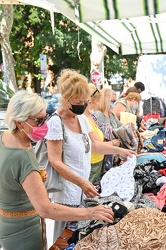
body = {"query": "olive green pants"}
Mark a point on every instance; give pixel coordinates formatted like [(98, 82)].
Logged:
[(96, 169)]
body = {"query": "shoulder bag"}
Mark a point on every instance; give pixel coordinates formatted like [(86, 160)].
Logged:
[(54, 182)]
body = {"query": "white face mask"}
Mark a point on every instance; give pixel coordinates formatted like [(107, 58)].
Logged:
[(135, 107)]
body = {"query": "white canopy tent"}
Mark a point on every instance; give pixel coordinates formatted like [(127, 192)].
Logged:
[(96, 10), (151, 70), (133, 35), (126, 26)]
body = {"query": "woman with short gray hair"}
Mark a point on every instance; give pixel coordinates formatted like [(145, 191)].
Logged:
[(23, 197)]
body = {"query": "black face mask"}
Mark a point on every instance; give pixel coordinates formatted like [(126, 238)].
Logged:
[(78, 109)]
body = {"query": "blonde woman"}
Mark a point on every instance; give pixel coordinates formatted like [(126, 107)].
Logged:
[(99, 146), (70, 155), (104, 117)]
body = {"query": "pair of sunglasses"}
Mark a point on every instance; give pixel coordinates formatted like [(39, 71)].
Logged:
[(39, 121), (95, 92)]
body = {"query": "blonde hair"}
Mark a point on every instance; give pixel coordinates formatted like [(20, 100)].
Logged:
[(104, 104), (94, 96), (113, 92), (71, 83), (21, 106), (133, 95)]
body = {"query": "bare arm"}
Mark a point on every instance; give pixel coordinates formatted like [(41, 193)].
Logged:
[(105, 148), (119, 107), (39, 199), (55, 158)]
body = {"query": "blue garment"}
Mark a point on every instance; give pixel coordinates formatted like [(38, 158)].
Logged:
[(70, 247), (155, 143), (152, 156)]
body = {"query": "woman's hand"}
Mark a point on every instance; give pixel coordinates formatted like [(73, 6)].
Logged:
[(89, 189), (115, 142), (125, 152), (101, 213), (142, 128)]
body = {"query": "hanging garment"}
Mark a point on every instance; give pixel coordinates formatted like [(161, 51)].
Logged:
[(151, 104)]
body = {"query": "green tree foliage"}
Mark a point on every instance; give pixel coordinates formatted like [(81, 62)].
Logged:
[(5, 94), (125, 65), (32, 35)]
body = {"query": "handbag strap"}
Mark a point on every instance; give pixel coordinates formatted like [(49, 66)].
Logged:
[(56, 113)]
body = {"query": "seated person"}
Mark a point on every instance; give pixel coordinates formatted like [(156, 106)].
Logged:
[(130, 104)]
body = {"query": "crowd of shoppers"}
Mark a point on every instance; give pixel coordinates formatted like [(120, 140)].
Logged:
[(71, 156), (76, 153), (23, 197)]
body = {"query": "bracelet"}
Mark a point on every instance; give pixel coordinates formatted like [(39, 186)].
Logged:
[(113, 143)]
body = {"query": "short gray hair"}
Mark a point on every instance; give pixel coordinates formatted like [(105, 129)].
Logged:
[(21, 106)]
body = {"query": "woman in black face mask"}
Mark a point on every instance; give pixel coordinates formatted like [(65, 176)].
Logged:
[(74, 143), (78, 109), (74, 165)]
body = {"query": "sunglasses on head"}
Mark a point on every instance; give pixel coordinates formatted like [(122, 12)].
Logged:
[(95, 92), (39, 121)]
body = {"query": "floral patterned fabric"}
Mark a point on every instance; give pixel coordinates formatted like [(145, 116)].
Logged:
[(141, 229), (120, 180)]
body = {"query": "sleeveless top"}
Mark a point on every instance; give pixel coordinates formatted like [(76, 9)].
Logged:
[(128, 109), (95, 157)]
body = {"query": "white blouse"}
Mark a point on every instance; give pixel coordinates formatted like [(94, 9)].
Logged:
[(74, 156)]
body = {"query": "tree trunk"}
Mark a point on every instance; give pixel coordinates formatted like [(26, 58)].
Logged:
[(97, 56), (8, 60)]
